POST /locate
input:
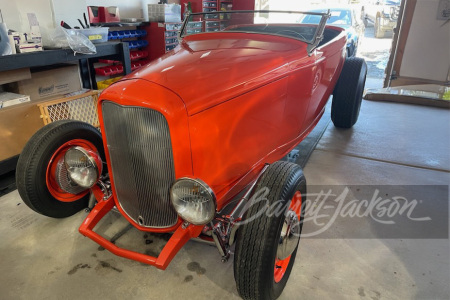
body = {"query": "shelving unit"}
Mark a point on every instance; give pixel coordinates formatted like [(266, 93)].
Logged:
[(194, 27), (162, 37), (224, 5), (216, 22), (213, 23), (107, 70)]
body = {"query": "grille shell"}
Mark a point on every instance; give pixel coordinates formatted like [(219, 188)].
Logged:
[(140, 150)]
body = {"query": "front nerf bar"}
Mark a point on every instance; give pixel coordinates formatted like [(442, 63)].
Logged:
[(178, 239)]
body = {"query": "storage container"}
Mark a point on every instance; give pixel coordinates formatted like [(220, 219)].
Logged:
[(94, 34)]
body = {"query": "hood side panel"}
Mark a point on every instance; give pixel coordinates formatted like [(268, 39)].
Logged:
[(230, 139)]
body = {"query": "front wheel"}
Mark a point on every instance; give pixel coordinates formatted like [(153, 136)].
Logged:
[(41, 177), (268, 238)]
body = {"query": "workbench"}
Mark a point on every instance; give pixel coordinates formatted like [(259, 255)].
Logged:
[(39, 59)]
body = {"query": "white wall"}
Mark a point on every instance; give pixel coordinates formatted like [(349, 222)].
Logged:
[(298, 5), (48, 13), (15, 13), (69, 11), (51, 12), (127, 9), (427, 51)]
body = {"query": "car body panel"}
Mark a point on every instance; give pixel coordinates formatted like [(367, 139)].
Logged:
[(206, 70)]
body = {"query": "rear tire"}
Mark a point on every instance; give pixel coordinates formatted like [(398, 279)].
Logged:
[(256, 263), (31, 171), (347, 94)]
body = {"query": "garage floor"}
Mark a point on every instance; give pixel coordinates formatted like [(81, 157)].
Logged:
[(392, 144)]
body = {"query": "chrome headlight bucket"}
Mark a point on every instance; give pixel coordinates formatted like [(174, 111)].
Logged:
[(83, 166), (193, 200)]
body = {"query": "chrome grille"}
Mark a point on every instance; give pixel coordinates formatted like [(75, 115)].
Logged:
[(141, 158)]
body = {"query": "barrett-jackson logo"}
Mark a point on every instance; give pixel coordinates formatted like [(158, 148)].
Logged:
[(46, 90)]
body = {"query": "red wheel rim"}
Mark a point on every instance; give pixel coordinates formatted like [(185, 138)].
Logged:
[(52, 185), (281, 266)]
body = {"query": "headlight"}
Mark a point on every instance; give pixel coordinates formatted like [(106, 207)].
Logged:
[(82, 166), (193, 200)]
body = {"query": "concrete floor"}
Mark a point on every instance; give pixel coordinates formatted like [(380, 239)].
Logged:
[(392, 144)]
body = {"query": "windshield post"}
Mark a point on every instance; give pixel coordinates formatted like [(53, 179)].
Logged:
[(319, 33), (180, 32)]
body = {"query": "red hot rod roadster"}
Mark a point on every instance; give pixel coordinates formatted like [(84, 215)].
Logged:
[(191, 144)]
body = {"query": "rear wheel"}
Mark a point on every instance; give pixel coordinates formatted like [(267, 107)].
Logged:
[(267, 242), (41, 177), (347, 94)]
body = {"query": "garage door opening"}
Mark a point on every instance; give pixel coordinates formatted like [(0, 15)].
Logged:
[(370, 25)]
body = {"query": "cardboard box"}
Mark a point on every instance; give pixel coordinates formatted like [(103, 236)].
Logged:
[(29, 47), (10, 99), (421, 94), (17, 124), (51, 83), (14, 75)]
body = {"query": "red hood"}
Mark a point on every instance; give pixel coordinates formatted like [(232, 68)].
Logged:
[(208, 69)]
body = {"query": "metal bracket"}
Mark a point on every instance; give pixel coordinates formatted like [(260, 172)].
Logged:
[(221, 241), (105, 186), (91, 202), (319, 33), (224, 230), (393, 75), (180, 32)]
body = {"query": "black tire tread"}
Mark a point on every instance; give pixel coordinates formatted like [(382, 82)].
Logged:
[(254, 247), (28, 167), (347, 94)]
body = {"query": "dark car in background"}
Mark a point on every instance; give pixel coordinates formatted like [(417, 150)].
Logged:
[(345, 18)]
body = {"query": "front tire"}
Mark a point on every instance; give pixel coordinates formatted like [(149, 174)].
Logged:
[(35, 176), (260, 271), (347, 94)]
